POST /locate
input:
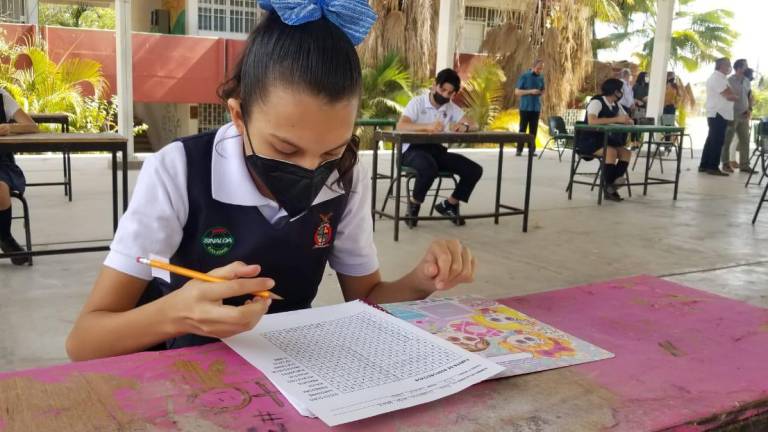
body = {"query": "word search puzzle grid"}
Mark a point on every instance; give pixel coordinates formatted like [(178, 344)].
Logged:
[(366, 352)]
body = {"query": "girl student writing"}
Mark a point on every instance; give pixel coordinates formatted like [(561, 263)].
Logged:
[(263, 202)]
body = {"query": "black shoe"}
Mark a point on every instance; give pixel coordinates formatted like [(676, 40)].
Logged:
[(611, 194), (10, 245), (518, 154), (716, 172), (452, 211), (701, 170), (411, 215)]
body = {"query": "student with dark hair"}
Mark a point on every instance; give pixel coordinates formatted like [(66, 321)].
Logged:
[(640, 91), (436, 112), (530, 88), (263, 202), (13, 120), (605, 109)]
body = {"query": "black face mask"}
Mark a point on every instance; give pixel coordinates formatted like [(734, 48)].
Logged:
[(440, 99), (293, 187)]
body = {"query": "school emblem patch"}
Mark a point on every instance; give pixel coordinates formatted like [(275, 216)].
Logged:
[(217, 241), (324, 232)]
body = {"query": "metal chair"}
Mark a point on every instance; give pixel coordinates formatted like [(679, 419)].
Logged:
[(410, 175), (758, 157), (27, 230), (576, 159), (666, 145), (559, 134)]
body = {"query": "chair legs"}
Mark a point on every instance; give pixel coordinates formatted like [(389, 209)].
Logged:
[(408, 180), (27, 225), (437, 192), (546, 145), (760, 204), (559, 148)]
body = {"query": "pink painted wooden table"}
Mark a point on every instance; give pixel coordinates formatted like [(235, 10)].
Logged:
[(685, 360)]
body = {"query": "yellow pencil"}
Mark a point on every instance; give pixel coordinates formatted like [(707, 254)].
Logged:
[(196, 275)]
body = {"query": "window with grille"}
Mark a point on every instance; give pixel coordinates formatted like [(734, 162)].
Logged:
[(492, 17), (227, 16), (211, 116), (12, 11)]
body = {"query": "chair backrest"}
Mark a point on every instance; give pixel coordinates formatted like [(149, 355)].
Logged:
[(646, 121), (762, 128), (557, 125)]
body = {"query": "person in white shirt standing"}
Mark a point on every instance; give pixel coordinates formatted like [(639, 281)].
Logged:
[(435, 112), (628, 95), (719, 107)]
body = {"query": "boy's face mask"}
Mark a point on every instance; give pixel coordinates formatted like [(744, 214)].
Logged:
[(292, 186), (440, 99)]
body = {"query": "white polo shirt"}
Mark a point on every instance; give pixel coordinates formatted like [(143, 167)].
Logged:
[(716, 102), (421, 110), (594, 107), (9, 105), (156, 216)]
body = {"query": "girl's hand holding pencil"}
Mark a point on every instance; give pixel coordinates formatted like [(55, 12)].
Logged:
[(198, 306)]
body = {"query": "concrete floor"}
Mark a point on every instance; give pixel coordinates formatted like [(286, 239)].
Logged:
[(704, 240)]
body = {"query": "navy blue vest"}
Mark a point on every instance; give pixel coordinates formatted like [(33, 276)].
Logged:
[(5, 157), (293, 254), (588, 141)]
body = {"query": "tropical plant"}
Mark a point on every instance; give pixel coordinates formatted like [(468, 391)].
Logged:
[(78, 15), (701, 37), (559, 33), (407, 27), (47, 86), (386, 88), (483, 92), (483, 96), (509, 120), (760, 93), (74, 86)]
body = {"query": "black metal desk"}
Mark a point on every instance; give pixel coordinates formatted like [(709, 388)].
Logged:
[(416, 138), (75, 143)]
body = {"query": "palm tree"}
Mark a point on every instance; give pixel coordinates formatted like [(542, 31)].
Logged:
[(483, 92), (707, 38), (703, 36), (48, 87), (386, 88)]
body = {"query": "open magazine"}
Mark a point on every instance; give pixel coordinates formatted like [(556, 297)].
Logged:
[(517, 342)]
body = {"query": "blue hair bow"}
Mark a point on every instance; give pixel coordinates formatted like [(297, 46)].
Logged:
[(354, 17)]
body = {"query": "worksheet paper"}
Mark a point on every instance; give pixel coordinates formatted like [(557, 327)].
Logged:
[(351, 361)]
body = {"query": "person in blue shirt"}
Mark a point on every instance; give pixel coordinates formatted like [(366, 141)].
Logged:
[(529, 88)]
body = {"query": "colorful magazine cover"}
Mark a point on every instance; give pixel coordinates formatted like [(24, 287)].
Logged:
[(510, 338)]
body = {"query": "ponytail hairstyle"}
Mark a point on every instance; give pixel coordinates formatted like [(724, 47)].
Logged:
[(312, 53)]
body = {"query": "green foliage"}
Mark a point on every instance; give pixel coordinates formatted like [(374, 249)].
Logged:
[(760, 93), (80, 15), (702, 37), (386, 88), (483, 92), (707, 38), (73, 86)]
